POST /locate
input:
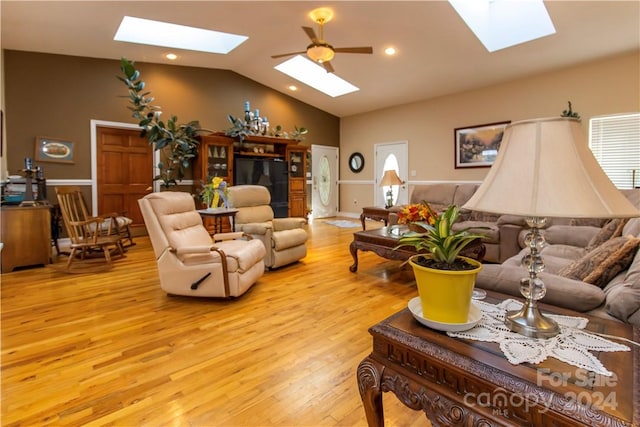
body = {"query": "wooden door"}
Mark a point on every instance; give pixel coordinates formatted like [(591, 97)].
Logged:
[(125, 172)]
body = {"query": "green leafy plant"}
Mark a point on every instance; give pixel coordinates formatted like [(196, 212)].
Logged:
[(178, 141), (439, 238), (298, 133), (239, 128)]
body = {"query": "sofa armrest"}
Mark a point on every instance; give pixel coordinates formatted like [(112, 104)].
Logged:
[(561, 291), (392, 219), (509, 244), (518, 220), (573, 235)]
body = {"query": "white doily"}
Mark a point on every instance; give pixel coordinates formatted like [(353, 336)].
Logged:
[(572, 345)]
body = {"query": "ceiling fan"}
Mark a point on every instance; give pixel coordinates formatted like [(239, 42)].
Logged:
[(319, 50)]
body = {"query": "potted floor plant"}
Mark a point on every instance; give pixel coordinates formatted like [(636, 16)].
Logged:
[(178, 141), (445, 279)]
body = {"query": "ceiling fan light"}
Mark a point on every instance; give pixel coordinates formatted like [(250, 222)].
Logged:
[(320, 53)]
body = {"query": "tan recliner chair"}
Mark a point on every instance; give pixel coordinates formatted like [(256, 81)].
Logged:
[(284, 238), (189, 262)]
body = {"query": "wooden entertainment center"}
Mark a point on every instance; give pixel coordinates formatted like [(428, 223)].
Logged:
[(221, 156)]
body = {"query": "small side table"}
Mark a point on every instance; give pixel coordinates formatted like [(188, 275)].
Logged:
[(375, 213), (217, 214)]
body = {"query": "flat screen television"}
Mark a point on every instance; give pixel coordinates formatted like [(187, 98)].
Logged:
[(270, 173)]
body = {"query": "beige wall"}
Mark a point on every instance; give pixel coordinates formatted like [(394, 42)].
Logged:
[(604, 87), (58, 96)]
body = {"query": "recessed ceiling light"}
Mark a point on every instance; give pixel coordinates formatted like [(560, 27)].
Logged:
[(171, 56), (504, 23), (314, 75), (293, 87), (390, 51), (156, 33)]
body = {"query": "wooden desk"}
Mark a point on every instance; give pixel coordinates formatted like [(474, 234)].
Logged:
[(375, 213), (217, 215), (26, 236), (464, 382)]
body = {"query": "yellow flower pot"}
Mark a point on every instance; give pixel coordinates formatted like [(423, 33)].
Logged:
[(445, 294)]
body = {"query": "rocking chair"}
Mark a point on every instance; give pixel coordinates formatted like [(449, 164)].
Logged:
[(92, 238)]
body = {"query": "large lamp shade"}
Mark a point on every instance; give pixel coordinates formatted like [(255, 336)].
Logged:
[(545, 168)]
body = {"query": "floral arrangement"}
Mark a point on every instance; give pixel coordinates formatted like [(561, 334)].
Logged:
[(417, 212), (215, 192)]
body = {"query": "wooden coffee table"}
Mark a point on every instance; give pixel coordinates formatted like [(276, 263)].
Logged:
[(382, 242), (465, 382)]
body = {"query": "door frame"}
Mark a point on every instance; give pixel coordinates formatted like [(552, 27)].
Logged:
[(94, 157)]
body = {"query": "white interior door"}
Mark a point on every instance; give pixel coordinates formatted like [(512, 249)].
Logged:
[(324, 178), (392, 155)]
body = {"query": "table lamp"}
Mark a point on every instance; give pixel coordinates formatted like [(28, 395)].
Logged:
[(545, 168), (390, 178)]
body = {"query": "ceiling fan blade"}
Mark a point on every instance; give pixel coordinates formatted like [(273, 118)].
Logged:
[(311, 34), (327, 66), (363, 49), (288, 54)]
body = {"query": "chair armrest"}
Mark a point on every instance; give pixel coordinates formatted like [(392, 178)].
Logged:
[(280, 224), (193, 249), (218, 237), (259, 228)]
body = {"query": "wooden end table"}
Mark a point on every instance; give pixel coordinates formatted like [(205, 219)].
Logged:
[(471, 383), (375, 213), (217, 214), (381, 241)]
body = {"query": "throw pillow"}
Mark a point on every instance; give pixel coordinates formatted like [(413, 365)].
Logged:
[(624, 300), (611, 229), (581, 268), (618, 261)]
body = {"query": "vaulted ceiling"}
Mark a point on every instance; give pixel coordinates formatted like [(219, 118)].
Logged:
[(437, 53)]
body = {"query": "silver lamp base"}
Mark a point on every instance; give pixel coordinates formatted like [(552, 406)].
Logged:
[(529, 321)]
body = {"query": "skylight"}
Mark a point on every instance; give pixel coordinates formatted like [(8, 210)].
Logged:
[(314, 75), (156, 33), (504, 23)]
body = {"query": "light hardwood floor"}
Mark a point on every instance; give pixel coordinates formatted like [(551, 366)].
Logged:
[(113, 349)]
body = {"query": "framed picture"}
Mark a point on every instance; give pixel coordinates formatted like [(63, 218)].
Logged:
[(477, 146), (53, 150)]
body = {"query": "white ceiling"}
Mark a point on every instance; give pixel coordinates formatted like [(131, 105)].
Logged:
[(438, 55)]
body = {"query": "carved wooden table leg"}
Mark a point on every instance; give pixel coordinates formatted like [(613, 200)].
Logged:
[(369, 385), (353, 248)]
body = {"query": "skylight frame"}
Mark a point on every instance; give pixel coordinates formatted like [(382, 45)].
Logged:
[(166, 34), (315, 76)]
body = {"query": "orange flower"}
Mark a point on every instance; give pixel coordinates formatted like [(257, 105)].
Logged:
[(418, 212)]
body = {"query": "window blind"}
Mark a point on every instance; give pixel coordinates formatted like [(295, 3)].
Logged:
[(615, 143)]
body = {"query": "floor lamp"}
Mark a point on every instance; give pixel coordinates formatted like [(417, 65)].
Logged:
[(545, 168)]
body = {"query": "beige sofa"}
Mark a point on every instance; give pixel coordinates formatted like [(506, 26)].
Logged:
[(501, 239), (580, 243)]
